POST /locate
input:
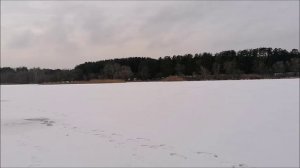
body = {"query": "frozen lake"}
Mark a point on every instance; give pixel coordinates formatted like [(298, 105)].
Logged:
[(246, 123)]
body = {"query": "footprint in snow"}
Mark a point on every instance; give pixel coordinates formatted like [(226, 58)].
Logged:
[(178, 155), (239, 165), (155, 146), (143, 139), (115, 134), (208, 153), (35, 162)]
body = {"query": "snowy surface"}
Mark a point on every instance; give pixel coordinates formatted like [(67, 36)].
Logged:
[(247, 123)]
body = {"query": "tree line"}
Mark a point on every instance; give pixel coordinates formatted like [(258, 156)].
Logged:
[(249, 63)]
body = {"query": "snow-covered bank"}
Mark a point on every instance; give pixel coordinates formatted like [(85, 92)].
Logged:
[(244, 123)]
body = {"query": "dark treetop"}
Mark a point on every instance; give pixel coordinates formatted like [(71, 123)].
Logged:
[(250, 63)]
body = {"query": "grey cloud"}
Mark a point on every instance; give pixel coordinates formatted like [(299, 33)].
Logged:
[(21, 39), (63, 34)]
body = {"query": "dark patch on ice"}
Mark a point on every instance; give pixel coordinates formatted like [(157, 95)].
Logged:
[(242, 165), (16, 123), (172, 154), (42, 120), (37, 119)]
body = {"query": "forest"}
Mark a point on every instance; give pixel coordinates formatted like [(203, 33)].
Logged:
[(256, 63)]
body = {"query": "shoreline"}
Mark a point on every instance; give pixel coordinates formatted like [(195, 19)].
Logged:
[(111, 81)]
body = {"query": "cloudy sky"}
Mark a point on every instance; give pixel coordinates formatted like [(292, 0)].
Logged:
[(53, 34)]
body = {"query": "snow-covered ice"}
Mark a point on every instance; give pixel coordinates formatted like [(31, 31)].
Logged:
[(246, 123)]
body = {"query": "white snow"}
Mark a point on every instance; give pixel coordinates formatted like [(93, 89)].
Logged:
[(246, 123)]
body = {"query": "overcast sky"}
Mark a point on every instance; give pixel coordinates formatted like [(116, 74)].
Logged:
[(55, 34)]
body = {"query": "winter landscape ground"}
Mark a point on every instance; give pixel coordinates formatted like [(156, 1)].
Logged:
[(246, 123)]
